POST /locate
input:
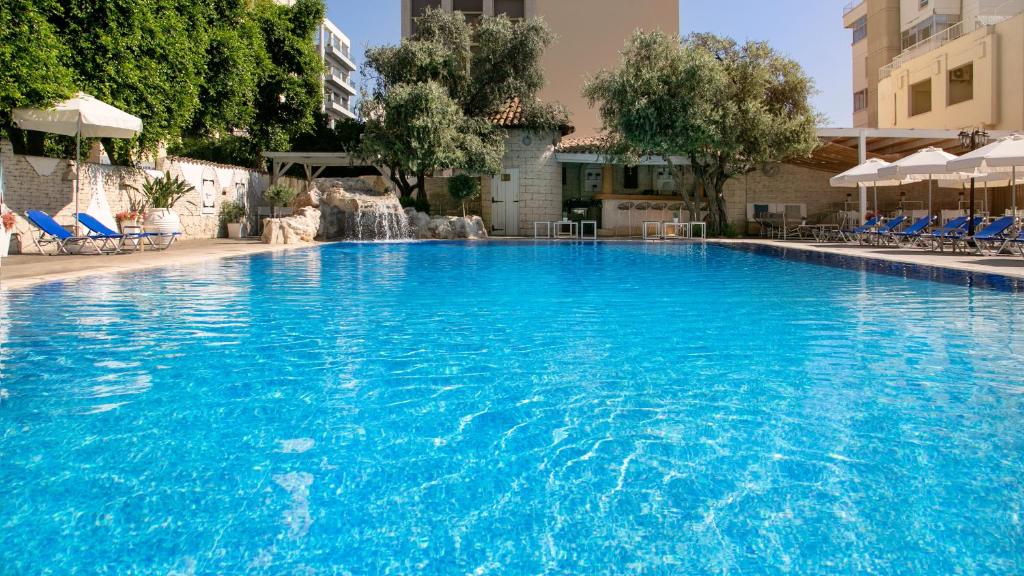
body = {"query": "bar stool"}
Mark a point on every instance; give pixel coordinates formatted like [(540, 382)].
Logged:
[(627, 206)]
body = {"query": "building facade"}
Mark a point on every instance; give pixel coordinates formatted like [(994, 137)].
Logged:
[(589, 36), (336, 52), (938, 64)]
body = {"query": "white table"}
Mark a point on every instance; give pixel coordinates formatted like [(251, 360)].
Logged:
[(547, 230), (565, 229), (583, 226), (652, 224), (675, 230), (703, 229)]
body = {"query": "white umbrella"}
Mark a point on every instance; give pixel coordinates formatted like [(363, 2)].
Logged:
[(1002, 155), (866, 173), (989, 179), (930, 162), (80, 116)]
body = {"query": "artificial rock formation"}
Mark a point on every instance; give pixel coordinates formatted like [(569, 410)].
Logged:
[(425, 227), (302, 227)]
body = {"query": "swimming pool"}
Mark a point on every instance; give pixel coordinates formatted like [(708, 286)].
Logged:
[(452, 408)]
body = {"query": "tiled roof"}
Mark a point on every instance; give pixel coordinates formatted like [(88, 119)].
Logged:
[(581, 145), (511, 114)]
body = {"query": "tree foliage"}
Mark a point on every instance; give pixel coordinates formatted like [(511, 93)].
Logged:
[(463, 187), (726, 108), (432, 96), (33, 72), (192, 71)]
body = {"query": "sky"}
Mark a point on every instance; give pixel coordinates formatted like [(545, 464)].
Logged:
[(809, 31)]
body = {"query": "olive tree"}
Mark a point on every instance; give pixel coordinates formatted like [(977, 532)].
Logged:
[(725, 108), (435, 73)]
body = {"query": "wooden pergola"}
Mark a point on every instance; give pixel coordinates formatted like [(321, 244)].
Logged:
[(313, 163)]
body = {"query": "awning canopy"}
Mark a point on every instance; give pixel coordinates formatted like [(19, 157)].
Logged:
[(82, 115)]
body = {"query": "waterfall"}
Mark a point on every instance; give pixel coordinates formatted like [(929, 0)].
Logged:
[(353, 209)]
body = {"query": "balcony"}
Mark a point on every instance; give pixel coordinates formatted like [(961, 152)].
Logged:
[(923, 47), (339, 81), (335, 109), (852, 6), (339, 54)]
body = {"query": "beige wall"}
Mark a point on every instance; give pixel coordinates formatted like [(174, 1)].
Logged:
[(878, 49), (590, 34), (997, 53)]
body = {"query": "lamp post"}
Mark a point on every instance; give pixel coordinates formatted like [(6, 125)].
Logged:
[(972, 141)]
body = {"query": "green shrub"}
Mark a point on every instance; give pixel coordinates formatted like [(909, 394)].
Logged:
[(279, 196), (463, 187), (422, 204), (231, 212)]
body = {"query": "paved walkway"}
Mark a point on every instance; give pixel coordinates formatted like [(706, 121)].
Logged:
[(1005, 265), (24, 270)]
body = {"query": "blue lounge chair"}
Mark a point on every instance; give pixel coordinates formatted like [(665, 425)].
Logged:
[(993, 234), (1018, 241), (50, 232), (878, 235), (863, 228), (117, 240), (952, 231), (912, 233)]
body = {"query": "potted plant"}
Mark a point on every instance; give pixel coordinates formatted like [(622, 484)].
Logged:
[(232, 215), (6, 229), (161, 195), (136, 212), (279, 196)]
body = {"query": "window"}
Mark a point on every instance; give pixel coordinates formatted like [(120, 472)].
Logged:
[(860, 100), (514, 9), (419, 7), (921, 97), (961, 84), (473, 10), (927, 28), (922, 4), (860, 29), (631, 177)]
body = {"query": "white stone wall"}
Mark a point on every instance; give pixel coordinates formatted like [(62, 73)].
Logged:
[(540, 179), (27, 189)]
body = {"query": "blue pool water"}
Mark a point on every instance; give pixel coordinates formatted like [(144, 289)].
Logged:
[(511, 409)]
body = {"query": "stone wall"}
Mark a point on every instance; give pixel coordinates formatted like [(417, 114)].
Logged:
[(540, 179), (34, 183)]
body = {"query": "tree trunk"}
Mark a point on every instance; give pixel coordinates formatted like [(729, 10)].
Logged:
[(689, 195), (421, 186)]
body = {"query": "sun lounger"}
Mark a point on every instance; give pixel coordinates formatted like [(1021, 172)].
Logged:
[(117, 239), (913, 233), (992, 235), (1017, 241), (882, 232), (50, 232), (864, 228), (936, 238)]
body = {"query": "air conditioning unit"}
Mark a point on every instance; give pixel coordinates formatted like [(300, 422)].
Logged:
[(592, 180), (965, 74)]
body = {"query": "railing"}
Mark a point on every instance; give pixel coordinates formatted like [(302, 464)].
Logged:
[(927, 45), (852, 6), (1004, 11)]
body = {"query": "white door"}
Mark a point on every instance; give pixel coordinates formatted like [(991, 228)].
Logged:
[(505, 203)]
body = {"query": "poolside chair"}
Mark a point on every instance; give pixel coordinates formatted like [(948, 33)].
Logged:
[(50, 232), (882, 232), (953, 230), (991, 235), (1018, 241), (116, 239), (855, 233), (912, 234)]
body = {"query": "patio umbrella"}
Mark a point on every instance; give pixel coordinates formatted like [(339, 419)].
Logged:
[(866, 173), (80, 116), (930, 162), (1002, 155), (989, 179)]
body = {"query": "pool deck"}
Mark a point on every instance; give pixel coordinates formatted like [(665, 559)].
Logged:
[(1002, 265), (19, 271)]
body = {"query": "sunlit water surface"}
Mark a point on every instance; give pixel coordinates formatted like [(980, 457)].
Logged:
[(453, 408)]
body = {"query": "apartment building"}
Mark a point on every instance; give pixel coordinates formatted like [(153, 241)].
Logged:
[(590, 34), (335, 50), (938, 64)]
